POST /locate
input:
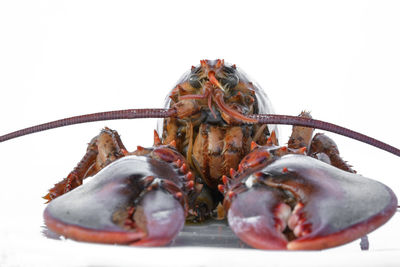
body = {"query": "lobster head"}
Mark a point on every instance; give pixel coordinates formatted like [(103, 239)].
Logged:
[(218, 87)]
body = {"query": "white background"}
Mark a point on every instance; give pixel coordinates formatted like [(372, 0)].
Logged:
[(338, 59)]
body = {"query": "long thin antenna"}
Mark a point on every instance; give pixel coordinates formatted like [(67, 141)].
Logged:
[(165, 113), (100, 116), (330, 127)]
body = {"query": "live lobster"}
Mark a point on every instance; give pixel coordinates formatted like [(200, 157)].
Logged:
[(216, 145)]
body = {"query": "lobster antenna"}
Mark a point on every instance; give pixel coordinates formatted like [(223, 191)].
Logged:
[(165, 113), (100, 116), (322, 125)]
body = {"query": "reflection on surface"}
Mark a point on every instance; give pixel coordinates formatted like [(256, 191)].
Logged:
[(210, 234)]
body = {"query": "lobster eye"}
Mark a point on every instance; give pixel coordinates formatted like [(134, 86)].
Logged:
[(194, 81), (230, 81)]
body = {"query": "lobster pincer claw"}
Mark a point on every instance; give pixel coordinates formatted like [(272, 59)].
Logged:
[(300, 203), (137, 200)]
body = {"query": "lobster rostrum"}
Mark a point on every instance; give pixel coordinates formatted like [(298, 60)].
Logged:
[(217, 145)]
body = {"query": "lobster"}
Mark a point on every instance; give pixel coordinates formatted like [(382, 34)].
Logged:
[(216, 154)]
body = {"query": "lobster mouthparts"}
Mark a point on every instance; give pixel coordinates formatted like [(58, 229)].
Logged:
[(300, 203), (136, 201)]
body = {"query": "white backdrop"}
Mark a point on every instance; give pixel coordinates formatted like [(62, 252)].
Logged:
[(337, 59)]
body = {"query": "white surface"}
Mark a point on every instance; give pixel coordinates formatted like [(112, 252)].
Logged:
[(338, 59)]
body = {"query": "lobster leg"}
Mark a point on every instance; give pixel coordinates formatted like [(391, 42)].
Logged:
[(325, 149), (301, 136), (101, 151), (320, 146)]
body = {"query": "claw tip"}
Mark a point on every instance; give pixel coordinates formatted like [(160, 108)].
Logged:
[(221, 188), (183, 168), (225, 179), (190, 185), (253, 145), (302, 150), (157, 140), (172, 144), (232, 172), (190, 176)]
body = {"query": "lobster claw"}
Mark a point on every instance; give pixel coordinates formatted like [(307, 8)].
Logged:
[(300, 203), (135, 200)]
